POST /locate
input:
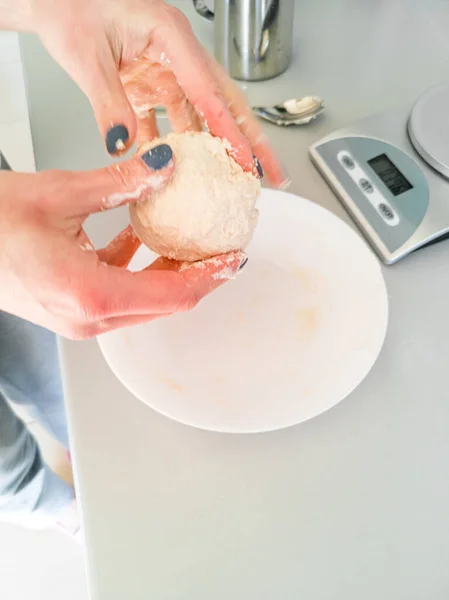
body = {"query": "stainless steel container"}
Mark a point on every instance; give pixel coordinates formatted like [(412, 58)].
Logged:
[(252, 38)]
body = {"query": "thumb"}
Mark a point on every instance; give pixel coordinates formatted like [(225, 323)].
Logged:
[(83, 193)]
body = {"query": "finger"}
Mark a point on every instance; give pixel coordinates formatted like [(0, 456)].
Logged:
[(98, 77), (82, 193), (137, 85), (209, 273), (119, 323), (147, 84), (83, 331), (147, 129), (190, 65), (120, 251), (249, 126), (162, 288), (183, 117)]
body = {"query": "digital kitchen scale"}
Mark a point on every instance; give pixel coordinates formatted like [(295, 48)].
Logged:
[(391, 172)]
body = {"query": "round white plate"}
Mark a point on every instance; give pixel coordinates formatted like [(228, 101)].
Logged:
[(288, 339)]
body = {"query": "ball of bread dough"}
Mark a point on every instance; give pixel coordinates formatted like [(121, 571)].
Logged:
[(207, 208)]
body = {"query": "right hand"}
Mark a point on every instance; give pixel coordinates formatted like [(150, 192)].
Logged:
[(50, 273), (129, 56)]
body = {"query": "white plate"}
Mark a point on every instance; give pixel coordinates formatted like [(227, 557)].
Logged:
[(293, 335)]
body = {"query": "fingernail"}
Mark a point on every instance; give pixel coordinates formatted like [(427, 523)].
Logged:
[(243, 264), (159, 157), (258, 166), (116, 139)]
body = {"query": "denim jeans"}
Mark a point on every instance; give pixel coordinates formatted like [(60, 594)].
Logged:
[(30, 493)]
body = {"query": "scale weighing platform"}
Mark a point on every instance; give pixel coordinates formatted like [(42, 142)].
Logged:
[(391, 173)]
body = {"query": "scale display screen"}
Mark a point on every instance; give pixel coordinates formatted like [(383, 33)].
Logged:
[(390, 174)]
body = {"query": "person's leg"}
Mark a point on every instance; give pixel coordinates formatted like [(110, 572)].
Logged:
[(30, 375), (30, 493)]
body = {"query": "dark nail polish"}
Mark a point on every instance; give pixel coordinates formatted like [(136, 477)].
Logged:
[(116, 139), (243, 263), (159, 157), (258, 166)]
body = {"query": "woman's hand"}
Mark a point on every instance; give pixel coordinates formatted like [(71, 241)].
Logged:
[(50, 273), (147, 48)]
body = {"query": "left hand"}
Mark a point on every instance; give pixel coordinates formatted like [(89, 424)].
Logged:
[(148, 48), (50, 273)]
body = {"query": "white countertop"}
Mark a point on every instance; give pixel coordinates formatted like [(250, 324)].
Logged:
[(353, 504)]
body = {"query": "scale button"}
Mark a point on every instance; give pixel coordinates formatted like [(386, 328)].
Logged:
[(348, 162), (386, 211), (366, 186)]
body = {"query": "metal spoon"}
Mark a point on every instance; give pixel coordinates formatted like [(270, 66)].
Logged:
[(296, 111)]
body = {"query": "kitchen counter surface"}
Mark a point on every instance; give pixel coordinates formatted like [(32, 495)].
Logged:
[(353, 504)]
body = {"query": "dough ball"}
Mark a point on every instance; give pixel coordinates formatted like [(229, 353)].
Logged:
[(207, 208)]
